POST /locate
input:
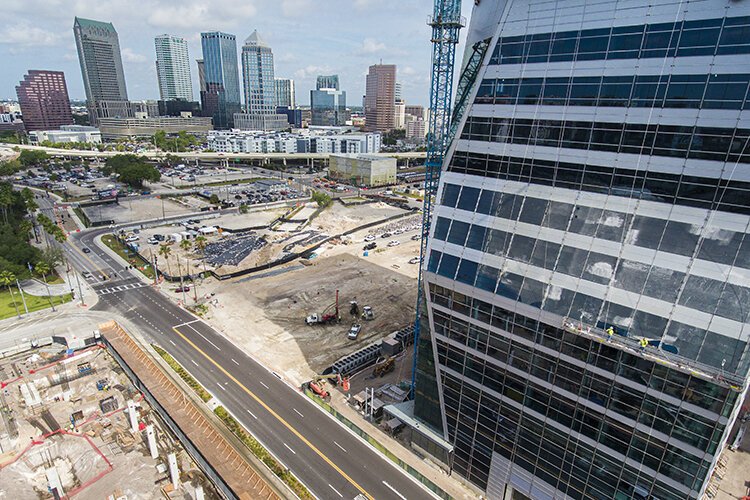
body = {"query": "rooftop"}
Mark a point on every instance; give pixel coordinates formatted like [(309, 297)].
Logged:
[(255, 40), (90, 23)]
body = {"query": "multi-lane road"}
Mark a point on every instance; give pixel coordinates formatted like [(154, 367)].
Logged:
[(326, 457)]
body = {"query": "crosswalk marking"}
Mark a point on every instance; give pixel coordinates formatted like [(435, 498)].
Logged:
[(120, 288)]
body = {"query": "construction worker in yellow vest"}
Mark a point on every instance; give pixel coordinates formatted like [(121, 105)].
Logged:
[(644, 343), (610, 333)]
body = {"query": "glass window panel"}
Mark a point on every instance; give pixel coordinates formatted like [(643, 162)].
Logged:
[(458, 232)]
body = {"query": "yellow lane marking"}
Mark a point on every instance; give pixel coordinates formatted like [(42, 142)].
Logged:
[(80, 252), (276, 415)]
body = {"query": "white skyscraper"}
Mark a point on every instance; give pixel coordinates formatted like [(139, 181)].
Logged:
[(285, 92), (173, 68)]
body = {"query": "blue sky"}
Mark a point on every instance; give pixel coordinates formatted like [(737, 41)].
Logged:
[(308, 37)]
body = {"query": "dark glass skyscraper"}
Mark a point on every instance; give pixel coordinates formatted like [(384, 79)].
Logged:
[(587, 276), (221, 99)]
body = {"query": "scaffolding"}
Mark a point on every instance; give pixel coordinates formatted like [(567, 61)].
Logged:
[(446, 22)]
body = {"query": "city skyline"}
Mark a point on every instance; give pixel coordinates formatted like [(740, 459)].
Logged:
[(40, 38)]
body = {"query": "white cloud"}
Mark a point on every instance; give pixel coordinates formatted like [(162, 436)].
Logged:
[(295, 8), (202, 15), (311, 71), (371, 46), (408, 70), (128, 55), (24, 36)]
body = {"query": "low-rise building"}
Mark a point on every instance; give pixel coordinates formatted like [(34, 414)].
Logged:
[(66, 133), (270, 185), (257, 121), (309, 141), (118, 128), (362, 169)]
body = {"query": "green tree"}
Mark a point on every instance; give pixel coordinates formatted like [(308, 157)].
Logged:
[(7, 278), (42, 269), (214, 199), (244, 209), (132, 170), (53, 256), (32, 158), (165, 251), (322, 199), (185, 245), (200, 243), (10, 167)]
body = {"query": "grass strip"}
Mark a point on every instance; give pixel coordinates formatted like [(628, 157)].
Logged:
[(236, 428), (128, 255), (184, 375), (262, 454)]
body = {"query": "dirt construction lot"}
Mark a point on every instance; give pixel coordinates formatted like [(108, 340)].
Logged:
[(266, 316)]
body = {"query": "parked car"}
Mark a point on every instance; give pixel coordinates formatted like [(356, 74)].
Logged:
[(370, 246), (416, 237), (182, 289), (370, 237), (354, 331), (86, 250), (414, 260), (394, 243), (385, 235)]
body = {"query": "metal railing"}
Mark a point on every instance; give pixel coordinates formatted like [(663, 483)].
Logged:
[(632, 345)]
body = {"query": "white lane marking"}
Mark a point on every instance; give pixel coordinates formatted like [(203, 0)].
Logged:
[(264, 385), (193, 361), (394, 490), (339, 446), (236, 363), (188, 323), (288, 448), (298, 413), (252, 414), (334, 489), (204, 337), (221, 386), (170, 341)]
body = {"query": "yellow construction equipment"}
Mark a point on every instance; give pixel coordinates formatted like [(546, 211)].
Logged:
[(384, 367)]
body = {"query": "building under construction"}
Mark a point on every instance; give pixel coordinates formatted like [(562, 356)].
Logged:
[(586, 325)]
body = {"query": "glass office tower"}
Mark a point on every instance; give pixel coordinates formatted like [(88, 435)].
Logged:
[(587, 275), (221, 99)]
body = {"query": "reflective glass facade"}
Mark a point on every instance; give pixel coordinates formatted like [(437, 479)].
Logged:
[(589, 256), (221, 99)]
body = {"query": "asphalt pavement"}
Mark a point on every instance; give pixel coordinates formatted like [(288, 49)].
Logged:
[(330, 460)]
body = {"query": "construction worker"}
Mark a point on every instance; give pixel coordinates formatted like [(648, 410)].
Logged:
[(644, 343), (610, 332)]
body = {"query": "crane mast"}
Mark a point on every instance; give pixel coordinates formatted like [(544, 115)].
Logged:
[(446, 21)]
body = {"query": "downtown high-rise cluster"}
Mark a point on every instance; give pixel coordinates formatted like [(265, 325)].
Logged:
[(245, 95)]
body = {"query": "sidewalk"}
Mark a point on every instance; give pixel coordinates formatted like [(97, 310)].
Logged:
[(39, 289), (450, 485)]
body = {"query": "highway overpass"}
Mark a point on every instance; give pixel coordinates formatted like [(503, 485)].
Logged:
[(194, 155)]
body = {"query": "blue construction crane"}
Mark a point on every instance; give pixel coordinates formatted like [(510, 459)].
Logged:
[(446, 21)]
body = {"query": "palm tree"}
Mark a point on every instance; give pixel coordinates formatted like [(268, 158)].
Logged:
[(200, 243), (185, 245), (165, 250), (43, 270), (7, 278)]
